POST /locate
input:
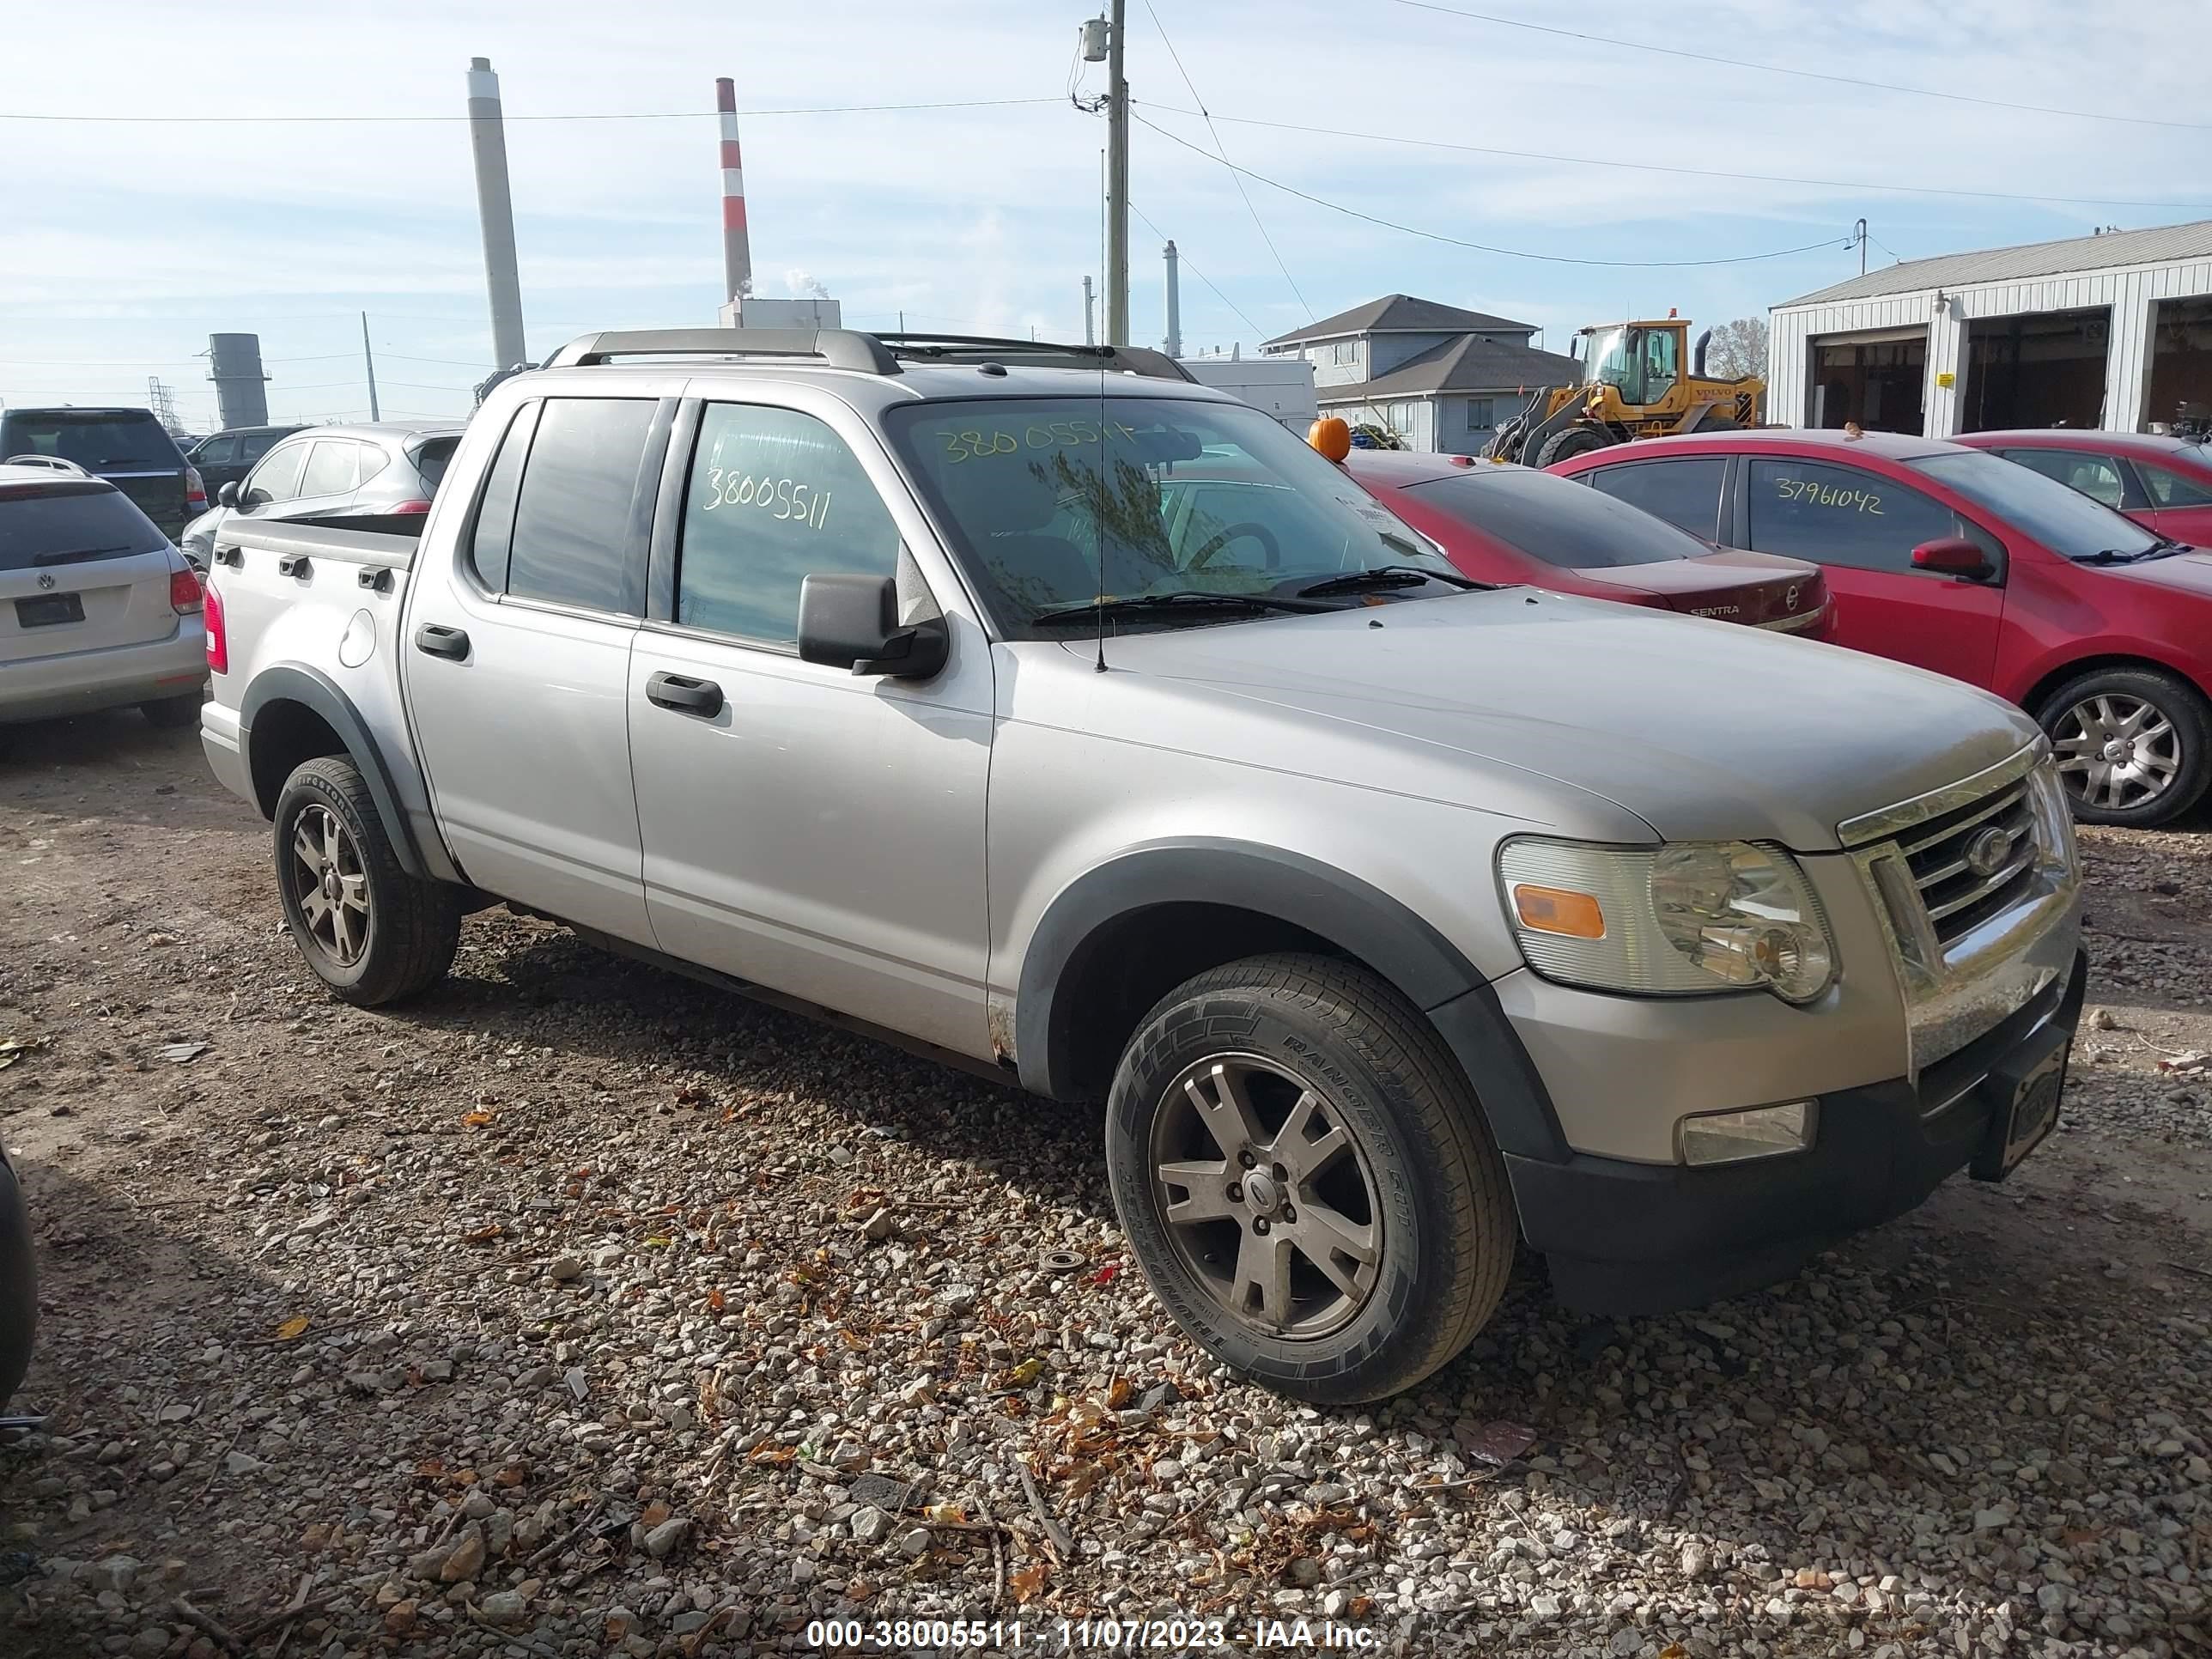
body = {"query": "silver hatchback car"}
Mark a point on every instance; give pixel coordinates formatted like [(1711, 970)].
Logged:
[(368, 470)]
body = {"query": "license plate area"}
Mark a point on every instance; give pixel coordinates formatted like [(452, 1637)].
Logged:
[(47, 609), (2027, 1091)]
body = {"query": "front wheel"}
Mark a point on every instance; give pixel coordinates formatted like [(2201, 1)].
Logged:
[(2134, 744), (1306, 1179), (1571, 441), (371, 932)]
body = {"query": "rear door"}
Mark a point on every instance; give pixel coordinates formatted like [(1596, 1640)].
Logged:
[(1685, 491), (518, 657), (327, 481), (81, 569), (1861, 526), (2180, 502)]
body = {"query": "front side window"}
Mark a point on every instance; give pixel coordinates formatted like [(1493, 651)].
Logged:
[(1659, 366), (331, 469), (2170, 488), (278, 477), (775, 496), (572, 515), (1056, 502), (217, 452), (1686, 493), (255, 444), (1842, 515), (2097, 477)]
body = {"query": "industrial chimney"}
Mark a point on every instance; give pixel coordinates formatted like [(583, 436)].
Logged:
[(736, 251), (1173, 344), (496, 208), (235, 366)]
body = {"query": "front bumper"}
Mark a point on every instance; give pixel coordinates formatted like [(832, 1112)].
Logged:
[(1644, 1238), (85, 681)]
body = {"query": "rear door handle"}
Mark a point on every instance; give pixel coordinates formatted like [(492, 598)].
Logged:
[(440, 640), (684, 695)]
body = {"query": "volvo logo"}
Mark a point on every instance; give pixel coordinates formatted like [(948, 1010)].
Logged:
[(1987, 852), (45, 579)]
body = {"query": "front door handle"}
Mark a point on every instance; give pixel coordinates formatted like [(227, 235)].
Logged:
[(684, 695), (440, 640)]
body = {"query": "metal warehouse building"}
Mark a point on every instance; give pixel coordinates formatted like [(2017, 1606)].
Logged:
[(2113, 330)]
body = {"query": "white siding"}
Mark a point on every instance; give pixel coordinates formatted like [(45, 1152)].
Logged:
[(2130, 293)]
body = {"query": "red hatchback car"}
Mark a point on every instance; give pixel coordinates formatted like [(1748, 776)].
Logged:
[(1501, 523), (2164, 484), (1956, 560)]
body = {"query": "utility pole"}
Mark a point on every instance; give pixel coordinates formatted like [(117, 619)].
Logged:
[(1090, 329), (1173, 344), (369, 363), (1859, 231), (1117, 184)]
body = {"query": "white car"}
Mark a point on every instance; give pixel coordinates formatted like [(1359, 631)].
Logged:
[(97, 608)]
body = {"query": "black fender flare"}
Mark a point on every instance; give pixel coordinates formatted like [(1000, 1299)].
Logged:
[(315, 691), (1358, 918)]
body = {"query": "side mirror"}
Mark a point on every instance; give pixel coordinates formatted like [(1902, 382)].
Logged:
[(228, 495), (1953, 555), (852, 622)]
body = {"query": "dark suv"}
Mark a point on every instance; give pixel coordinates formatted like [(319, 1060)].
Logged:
[(229, 455), (126, 447)]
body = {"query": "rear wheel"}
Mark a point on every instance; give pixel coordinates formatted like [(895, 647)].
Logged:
[(173, 714), (2134, 744), (1306, 1179), (1571, 441), (371, 932)]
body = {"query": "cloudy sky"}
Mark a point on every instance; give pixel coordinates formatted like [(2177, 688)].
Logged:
[(123, 243)]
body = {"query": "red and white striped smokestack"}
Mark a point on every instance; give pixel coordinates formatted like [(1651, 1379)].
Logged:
[(736, 251)]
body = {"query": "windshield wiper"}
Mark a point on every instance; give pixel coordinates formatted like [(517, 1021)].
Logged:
[(1389, 575), (77, 553), (1192, 599)]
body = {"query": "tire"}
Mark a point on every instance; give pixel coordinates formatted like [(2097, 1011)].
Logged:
[(19, 1285), (2157, 726), (1571, 441), (173, 714), (371, 932), (1412, 1155)]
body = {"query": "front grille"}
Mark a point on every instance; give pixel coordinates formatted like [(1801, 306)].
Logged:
[(1975, 861)]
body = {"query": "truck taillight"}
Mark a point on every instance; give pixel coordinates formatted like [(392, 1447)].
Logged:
[(410, 507), (185, 592), (218, 641), (195, 490)]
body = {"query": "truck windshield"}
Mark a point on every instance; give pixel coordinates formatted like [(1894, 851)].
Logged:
[(2067, 522), (1056, 502)]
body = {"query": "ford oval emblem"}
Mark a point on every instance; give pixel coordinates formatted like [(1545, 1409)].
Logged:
[(1987, 852)]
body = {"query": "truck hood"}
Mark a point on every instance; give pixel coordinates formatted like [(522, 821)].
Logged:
[(1698, 729)]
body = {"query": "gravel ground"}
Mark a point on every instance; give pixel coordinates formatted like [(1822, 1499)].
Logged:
[(581, 1310)]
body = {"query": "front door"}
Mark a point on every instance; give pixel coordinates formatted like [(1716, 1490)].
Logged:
[(806, 829), (1861, 526), (517, 665)]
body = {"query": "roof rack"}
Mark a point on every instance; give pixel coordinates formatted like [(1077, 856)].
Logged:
[(1034, 353), (67, 468), (840, 348)]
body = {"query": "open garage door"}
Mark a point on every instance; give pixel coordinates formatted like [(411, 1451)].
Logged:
[(2180, 361), (2046, 369), (1877, 378)]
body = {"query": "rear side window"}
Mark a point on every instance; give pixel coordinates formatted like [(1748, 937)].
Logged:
[(776, 496), (1840, 515), (332, 469), (70, 522), (373, 460), (277, 478), (1686, 493), (2173, 488), (572, 515), (99, 440), (2097, 477), (1554, 519), (431, 457), (493, 536)]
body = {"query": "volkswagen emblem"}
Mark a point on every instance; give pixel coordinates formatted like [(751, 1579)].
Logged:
[(45, 579), (1987, 852)]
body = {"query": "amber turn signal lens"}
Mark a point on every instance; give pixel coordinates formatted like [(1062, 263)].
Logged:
[(1555, 910)]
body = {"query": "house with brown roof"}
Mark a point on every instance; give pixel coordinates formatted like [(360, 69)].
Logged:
[(1440, 377)]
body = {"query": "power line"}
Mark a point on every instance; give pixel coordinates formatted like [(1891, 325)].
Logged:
[(1261, 333), (1808, 74), (1656, 167), (1223, 155), (1485, 247), (450, 362), (606, 115)]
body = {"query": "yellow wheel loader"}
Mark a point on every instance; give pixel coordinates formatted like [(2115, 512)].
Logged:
[(1632, 386)]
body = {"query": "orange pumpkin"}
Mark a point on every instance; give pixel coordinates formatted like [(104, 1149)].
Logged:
[(1331, 436)]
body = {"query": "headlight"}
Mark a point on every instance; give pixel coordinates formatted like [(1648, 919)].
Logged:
[(1686, 918)]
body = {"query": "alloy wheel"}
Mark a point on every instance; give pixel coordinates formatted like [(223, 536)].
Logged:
[(2117, 751), (330, 884), (1267, 1195)]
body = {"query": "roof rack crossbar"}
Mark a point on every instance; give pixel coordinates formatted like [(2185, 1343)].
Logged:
[(986, 348), (841, 348)]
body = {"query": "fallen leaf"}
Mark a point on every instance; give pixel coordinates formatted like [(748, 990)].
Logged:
[(1118, 1393), (1106, 1274), (1495, 1443), (485, 1234), (479, 1119), (512, 1475), (655, 1513), (1025, 1373), (1028, 1583), (293, 1329), (659, 1242), (716, 1301)]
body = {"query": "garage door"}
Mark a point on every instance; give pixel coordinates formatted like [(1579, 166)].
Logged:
[(2044, 369), (1876, 378)]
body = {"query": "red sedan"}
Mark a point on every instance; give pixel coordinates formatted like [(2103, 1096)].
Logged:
[(1958, 560), (1500, 523), (2164, 484)]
